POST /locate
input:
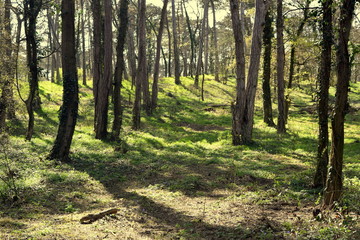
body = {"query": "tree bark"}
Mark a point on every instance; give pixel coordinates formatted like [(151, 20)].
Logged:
[(141, 71), (83, 43), (238, 107), (176, 47), (267, 41), (69, 109), (280, 67), (119, 69), (323, 107), (248, 116), (334, 184), (199, 65), (216, 50), (31, 11), (104, 83), (155, 89), (131, 52)]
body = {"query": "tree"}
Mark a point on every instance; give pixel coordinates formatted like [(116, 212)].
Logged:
[(31, 12), (216, 51), (69, 108), (83, 41), (141, 70), (267, 42), (323, 107), (334, 184), (176, 47), (200, 63), (155, 90), (119, 68), (280, 67), (104, 83), (248, 116), (238, 107), (7, 69), (243, 112)]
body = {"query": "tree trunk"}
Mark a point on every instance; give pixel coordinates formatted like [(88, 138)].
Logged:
[(119, 69), (104, 83), (169, 51), (323, 108), (261, 9), (334, 184), (238, 107), (69, 109), (201, 43), (131, 52), (280, 67), (31, 11), (6, 82), (176, 47), (155, 89), (267, 41), (216, 50), (143, 54), (141, 71), (192, 40), (83, 43)]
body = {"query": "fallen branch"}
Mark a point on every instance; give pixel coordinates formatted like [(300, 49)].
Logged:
[(93, 217)]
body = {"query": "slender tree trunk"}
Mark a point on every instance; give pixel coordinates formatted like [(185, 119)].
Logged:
[(323, 108), (103, 86), (176, 47), (141, 71), (83, 43), (201, 43), (280, 67), (216, 50), (69, 109), (119, 69), (31, 11), (144, 72), (169, 43), (261, 9), (206, 47), (131, 52), (238, 107), (155, 89), (192, 40), (267, 41), (334, 184)]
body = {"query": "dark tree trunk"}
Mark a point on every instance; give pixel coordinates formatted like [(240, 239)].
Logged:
[(141, 71), (131, 52), (267, 42), (69, 109), (238, 107), (7, 70), (119, 69), (334, 184), (216, 50), (280, 67), (176, 47), (104, 83), (323, 108), (31, 11), (192, 40), (154, 96), (83, 43)]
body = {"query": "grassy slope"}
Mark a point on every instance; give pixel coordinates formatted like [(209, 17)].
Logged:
[(179, 177)]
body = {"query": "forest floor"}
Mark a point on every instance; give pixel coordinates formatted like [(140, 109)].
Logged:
[(179, 177)]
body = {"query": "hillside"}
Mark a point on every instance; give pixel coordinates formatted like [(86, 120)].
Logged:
[(179, 177)]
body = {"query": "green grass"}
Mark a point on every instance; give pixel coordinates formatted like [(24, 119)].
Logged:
[(179, 172)]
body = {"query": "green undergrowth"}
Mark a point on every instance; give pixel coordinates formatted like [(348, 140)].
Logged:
[(182, 151)]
